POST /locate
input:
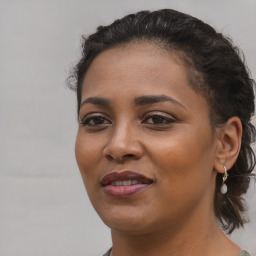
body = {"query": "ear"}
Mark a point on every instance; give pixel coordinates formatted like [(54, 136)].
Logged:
[(228, 147)]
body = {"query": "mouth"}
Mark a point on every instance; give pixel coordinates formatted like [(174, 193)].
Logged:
[(123, 184)]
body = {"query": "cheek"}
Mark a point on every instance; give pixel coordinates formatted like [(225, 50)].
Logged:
[(184, 175), (88, 156), (183, 161), (88, 153)]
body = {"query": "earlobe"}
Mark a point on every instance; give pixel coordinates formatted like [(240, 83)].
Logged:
[(228, 144)]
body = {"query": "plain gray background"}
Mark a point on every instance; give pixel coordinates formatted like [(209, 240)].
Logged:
[(44, 209)]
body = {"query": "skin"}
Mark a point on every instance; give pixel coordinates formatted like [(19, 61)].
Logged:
[(170, 142)]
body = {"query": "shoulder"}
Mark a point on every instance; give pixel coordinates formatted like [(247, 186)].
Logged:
[(108, 253), (244, 253)]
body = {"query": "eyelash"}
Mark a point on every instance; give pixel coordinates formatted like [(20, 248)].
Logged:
[(157, 116), (88, 118), (166, 120)]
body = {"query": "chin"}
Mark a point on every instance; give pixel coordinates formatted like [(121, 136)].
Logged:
[(129, 222)]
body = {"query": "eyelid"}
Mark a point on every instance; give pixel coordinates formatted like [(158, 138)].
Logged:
[(158, 120), (93, 114), (159, 113), (145, 117)]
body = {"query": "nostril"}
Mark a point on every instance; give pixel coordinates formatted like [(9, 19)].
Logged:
[(109, 157), (119, 158), (128, 156)]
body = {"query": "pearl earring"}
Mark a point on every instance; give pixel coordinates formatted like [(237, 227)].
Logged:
[(224, 187)]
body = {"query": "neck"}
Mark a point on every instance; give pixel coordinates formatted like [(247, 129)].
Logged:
[(196, 236)]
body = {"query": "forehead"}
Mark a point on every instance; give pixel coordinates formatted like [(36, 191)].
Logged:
[(137, 69), (136, 62)]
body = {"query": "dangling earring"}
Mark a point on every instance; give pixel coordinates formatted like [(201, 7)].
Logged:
[(224, 187)]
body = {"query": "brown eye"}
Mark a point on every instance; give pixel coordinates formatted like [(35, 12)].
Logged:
[(95, 121), (158, 120)]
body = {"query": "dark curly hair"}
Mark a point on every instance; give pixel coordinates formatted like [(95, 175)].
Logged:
[(216, 69)]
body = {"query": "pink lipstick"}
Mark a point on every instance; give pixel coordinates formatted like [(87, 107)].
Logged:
[(126, 183)]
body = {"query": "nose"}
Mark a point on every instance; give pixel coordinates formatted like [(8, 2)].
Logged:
[(123, 144)]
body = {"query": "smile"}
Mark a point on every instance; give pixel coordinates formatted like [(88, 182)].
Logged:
[(123, 184)]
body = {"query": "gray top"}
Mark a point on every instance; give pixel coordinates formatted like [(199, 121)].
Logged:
[(243, 253), (109, 251)]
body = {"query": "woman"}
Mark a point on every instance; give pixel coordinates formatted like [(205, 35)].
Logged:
[(163, 145)]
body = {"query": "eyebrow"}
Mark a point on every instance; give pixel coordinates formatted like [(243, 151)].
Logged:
[(152, 99), (96, 101), (142, 100)]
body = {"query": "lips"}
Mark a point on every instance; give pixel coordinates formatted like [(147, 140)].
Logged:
[(122, 184)]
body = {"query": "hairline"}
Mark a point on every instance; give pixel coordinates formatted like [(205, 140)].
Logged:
[(194, 77)]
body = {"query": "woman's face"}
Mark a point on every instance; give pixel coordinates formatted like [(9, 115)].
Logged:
[(145, 147)]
